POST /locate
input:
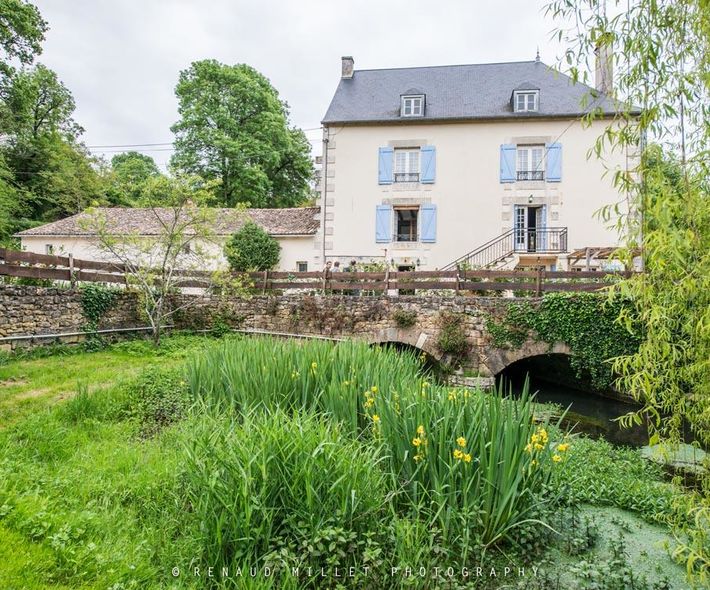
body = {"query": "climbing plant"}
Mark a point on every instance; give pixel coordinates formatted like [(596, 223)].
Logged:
[(587, 322), (95, 302), (452, 335)]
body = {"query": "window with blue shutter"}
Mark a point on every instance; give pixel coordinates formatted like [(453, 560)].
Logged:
[(507, 162), (384, 165), (554, 162), (428, 164), (383, 224), (428, 223)]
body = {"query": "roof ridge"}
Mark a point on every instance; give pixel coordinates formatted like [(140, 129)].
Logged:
[(491, 63)]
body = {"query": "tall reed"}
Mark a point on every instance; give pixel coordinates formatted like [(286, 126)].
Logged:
[(475, 465)]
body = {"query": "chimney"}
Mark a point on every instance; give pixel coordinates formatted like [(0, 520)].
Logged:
[(348, 64), (604, 67)]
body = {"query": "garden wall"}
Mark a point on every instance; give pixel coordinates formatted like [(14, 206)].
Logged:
[(31, 316)]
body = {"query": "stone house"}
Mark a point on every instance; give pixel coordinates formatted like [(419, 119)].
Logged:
[(482, 164), (293, 228)]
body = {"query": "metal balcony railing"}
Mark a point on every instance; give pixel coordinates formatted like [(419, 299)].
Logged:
[(549, 240), (406, 176), (531, 175)]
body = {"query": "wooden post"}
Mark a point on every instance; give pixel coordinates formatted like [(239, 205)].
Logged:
[(387, 280), (325, 279), (72, 278), (538, 281), (458, 279), (266, 281)]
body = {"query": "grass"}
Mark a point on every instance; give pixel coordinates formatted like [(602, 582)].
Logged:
[(32, 382), (268, 452)]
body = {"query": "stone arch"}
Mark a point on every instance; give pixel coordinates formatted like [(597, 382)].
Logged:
[(421, 340), (497, 359)]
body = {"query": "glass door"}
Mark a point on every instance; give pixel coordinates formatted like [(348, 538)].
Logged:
[(519, 225)]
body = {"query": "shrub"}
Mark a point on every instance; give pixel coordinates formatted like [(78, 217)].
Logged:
[(405, 318), (452, 335), (158, 397), (252, 249)]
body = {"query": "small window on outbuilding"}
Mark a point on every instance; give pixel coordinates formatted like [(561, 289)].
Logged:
[(49, 249), (302, 266), (412, 105), (526, 101)]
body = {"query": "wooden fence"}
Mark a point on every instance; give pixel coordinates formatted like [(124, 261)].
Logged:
[(14, 263)]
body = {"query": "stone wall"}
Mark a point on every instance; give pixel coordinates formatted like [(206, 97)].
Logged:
[(29, 312)]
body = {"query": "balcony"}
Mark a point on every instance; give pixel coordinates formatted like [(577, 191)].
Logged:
[(406, 176), (530, 175), (549, 240)]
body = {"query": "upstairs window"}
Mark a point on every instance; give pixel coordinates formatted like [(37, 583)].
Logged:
[(526, 101), (413, 105), (406, 224), (406, 165), (529, 162)]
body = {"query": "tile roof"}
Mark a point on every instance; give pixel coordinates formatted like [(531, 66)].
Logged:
[(476, 91), (123, 220)]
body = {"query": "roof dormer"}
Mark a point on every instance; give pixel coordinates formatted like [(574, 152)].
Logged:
[(412, 105), (525, 99)]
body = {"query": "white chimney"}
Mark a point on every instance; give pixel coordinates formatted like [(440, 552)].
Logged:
[(348, 64), (604, 68)]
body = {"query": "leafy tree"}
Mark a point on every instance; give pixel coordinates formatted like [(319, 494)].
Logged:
[(660, 55), (22, 30), (8, 204), (234, 128), (252, 249), (35, 102), (183, 246), (130, 172)]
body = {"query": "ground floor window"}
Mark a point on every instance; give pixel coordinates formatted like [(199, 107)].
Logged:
[(406, 224), (302, 266)]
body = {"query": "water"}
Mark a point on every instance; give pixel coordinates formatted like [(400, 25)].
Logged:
[(590, 413)]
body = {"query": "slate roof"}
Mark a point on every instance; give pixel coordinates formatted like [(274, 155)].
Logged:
[(475, 91), (295, 221)]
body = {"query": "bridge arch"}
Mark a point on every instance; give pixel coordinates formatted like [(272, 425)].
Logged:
[(497, 360), (415, 338)]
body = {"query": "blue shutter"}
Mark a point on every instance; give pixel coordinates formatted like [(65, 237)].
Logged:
[(384, 165), (554, 162), (383, 224), (428, 164), (428, 223), (507, 162)]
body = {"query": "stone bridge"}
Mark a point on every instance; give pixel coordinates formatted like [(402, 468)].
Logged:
[(416, 321), (36, 315)]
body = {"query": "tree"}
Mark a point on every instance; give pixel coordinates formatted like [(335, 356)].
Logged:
[(180, 247), (22, 30), (130, 172), (660, 52), (252, 249), (234, 128)]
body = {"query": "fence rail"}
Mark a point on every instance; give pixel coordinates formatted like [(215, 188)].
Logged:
[(14, 263)]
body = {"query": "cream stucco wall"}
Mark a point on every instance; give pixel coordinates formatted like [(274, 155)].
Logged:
[(294, 249), (473, 206)]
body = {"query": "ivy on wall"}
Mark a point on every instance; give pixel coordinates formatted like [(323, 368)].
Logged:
[(96, 300), (587, 322)]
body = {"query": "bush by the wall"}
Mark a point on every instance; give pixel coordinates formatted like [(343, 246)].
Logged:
[(252, 249), (405, 318)]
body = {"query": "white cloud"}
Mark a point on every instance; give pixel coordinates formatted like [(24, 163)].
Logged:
[(121, 58)]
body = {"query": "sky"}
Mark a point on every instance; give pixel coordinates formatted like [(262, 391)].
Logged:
[(121, 58)]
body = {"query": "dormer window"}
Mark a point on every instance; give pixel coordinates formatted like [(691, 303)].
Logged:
[(412, 105), (526, 101)]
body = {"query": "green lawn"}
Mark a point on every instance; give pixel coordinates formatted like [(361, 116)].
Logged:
[(33, 385)]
